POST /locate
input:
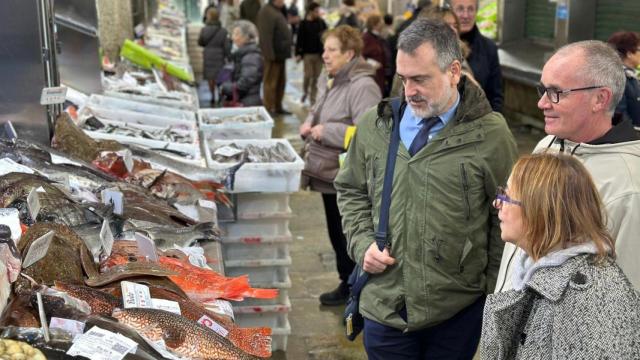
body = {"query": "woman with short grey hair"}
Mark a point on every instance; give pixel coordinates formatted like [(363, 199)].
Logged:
[(244, 87)]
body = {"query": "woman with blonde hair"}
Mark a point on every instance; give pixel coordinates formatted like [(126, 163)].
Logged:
[(570, 299)]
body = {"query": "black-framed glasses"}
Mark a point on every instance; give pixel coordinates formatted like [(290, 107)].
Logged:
[(502, 197), (553, 94)]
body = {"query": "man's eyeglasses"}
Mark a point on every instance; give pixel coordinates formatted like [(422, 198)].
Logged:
[(502, 197), (553, 94)]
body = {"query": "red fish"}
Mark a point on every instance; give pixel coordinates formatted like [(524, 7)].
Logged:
[(205, 285)]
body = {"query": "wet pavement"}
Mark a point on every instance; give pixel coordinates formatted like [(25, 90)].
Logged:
[(317, 331)]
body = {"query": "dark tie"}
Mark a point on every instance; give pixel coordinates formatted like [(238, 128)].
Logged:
[(422, 138)]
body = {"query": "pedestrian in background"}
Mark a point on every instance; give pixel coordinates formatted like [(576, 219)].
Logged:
[(570, 299), (244, 86), (275, 44), (375, 50), (348, 14), (347, 89), (627, 43), (293, 17), (309, 50), (483, 58), (425, 296), (249, 10), (217, 48), (228, 13)]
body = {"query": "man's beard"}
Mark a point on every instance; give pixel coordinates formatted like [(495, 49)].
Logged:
[(430, 108)]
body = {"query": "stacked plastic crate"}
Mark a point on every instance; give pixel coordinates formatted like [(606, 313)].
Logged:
[(257, 242)]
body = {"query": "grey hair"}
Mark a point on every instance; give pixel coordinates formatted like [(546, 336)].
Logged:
[(602, 67), (443, 39), (247, 29), (449, 2)]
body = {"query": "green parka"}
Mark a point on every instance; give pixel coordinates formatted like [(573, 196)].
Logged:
[(444, 233)]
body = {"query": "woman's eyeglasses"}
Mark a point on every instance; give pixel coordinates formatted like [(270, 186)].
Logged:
[(502, 197)]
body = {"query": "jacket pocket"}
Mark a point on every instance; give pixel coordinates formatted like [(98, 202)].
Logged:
[(464, 182)]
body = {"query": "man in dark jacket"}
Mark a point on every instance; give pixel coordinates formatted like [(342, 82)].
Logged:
[(275, 43), (309, 49), (484, 53), (249, 10)]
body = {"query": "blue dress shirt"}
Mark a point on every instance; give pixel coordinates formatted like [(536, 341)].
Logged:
[(410, 124)]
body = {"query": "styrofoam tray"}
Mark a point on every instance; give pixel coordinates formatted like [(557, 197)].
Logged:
[(115, 103), (263, 205), (261, 177), (230, 130)]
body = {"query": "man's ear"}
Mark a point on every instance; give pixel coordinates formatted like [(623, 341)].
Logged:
[(455, 71), (603, 99)]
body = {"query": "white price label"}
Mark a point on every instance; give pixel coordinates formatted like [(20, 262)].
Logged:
[(166, 305), (146, 247), (11, 218), (73, 327), (8, 166), (227, 151), (115, 198), (57, 159), (38, 249), (222, 307), (135, 295), (100, 344), (127, 157), (33, 203), (106, 237), (53, 95), (211, 324)]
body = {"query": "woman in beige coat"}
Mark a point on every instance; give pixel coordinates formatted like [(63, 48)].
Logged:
[(345, 91)]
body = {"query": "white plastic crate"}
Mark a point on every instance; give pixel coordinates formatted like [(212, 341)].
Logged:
[(274, 276), (282, 298), (263, 205), (188, 101), (278, 322), (261, 177), (241, 308), (114, 103), (240, 251), (279, 336), (230, 130), (265, 227), (143, 141), (258, 239)]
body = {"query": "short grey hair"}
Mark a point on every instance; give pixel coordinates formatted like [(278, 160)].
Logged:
[(247, 29), (602, 67), (437, 33)]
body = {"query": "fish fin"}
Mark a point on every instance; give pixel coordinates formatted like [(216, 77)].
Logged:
[(255, 341), (207, 185), (261, 293)]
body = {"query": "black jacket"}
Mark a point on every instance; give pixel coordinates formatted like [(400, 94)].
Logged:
[(486, 66), (629, 105), (247, 75), (310, 37)]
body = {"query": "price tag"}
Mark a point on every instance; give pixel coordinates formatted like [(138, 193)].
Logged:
[(8, 132), (73, 327), (207, 211), (146, 247), (38, 249), (211, 324), (222, 307), (166, 305), (53, 95), (33, 203), (227, 151), (135, 295), (56, 159), (100, 344), (115, 198), (127, 157), (106, 237), (11, 218), (8, 166)]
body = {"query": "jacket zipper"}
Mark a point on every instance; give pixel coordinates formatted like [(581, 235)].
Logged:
[(372, 188), (465, 189)]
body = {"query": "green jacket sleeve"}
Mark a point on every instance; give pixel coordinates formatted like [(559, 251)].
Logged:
[(353, 200)]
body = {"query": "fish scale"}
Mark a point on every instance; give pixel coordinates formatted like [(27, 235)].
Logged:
[(184, 337)]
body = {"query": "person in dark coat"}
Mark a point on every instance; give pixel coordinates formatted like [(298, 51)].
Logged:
[(249, 10), (217, 47), (484, 53), (309, 50), (348, 14), (247, 65), (627, 44), (375, 49)]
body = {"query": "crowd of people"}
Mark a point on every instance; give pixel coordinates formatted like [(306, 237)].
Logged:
[(524, 257)]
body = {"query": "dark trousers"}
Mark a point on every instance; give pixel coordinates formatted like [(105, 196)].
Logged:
[(454, 339), (338, 241), (274, 83)]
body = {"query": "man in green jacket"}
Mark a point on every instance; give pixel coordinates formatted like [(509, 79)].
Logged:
[(426, 293)]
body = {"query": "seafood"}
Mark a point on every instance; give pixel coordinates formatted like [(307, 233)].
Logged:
[(256, 154), (70, 139), (62, 261), (166, 237), (184, 337), (168, 133), (100, 302), (130, 269), (241, 118), (90, 234), (205, 284), (20, 313)]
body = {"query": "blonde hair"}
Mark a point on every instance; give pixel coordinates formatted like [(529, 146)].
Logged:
[(349, 37), (212, 15), (561, 206)]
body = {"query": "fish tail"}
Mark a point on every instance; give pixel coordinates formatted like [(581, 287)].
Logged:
[(234, 288), (261, 293), (255, 341), (207, 185)]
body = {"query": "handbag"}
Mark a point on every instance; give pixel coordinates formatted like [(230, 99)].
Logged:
[(321, 162), (354, 322)]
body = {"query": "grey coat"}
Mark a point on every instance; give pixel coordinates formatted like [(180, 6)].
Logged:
[(247, 75), (217, 47), (578, 310)]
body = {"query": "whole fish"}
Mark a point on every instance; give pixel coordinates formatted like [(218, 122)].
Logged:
[(131, 269), (14, 186), (205, 284), (166, 237), (184, 337), (54, 208), (19, 313), (70, 139), (256, 154), (241, 118), (143, 351), (100, 302)]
